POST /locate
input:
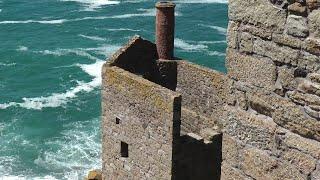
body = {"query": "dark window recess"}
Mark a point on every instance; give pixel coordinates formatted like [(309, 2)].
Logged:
[(124, 149), (117, 120), (300, 72)]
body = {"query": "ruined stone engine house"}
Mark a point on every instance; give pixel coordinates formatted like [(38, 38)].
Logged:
[(166, 118)]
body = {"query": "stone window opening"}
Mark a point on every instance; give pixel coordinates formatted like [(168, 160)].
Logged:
[(117, 120), (124, 149)]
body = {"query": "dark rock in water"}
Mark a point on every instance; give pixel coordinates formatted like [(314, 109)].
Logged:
[(94, 175)]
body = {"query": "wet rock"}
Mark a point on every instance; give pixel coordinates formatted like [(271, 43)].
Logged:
[(94, 175)]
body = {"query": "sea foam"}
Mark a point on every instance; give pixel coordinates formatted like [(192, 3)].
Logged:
[(95, 38), (179, 43), (61, 99), (141, 13), (78, 150), (56, 21), (123, 29), (22, 48), (91, 5), (191, 46), (8, 64), (220, 30)]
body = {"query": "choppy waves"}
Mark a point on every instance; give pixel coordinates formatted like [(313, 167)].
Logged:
[(7, 64), (123, 29), (220, 30), (77, 152), (141, 13), (56, 21), (91, 5), (61, 99), (71, 156), (94, 70), (191, 46), (95, 38)]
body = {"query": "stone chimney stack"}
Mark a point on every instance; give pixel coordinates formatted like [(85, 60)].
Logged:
[(165, 23)]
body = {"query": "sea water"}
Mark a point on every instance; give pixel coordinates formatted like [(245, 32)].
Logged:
[(51, 53)]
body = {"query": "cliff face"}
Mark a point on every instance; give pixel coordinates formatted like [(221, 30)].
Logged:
[(271, 121)]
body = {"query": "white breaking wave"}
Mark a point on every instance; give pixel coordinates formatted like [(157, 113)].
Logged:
[(22, 48), (94, 4), (105, 50), (216, 53), (124, 29), (219, 29), (78, 151), (213, 42), (179, 43), (63, 52), (145, 12), (57, 21), (25, 178), (61, 99), (95, 38), (8, 64), (186, 46)]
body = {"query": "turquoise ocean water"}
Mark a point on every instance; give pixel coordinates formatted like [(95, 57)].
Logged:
[(51, 52)]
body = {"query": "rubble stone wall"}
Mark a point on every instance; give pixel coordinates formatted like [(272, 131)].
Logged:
[(143, 115), (271, 120), (204, 93)]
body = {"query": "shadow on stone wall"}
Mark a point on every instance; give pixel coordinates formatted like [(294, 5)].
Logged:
[(198, 158)]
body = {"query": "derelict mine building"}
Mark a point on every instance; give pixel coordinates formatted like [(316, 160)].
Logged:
[(166, 118)]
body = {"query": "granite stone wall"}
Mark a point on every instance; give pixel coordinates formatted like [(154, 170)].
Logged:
[(146, 133), (271, 119), (140, 127), (204, 93)]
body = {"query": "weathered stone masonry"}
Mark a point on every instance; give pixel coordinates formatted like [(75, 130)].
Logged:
[(141, 108), (271, 123), (162, 119)]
